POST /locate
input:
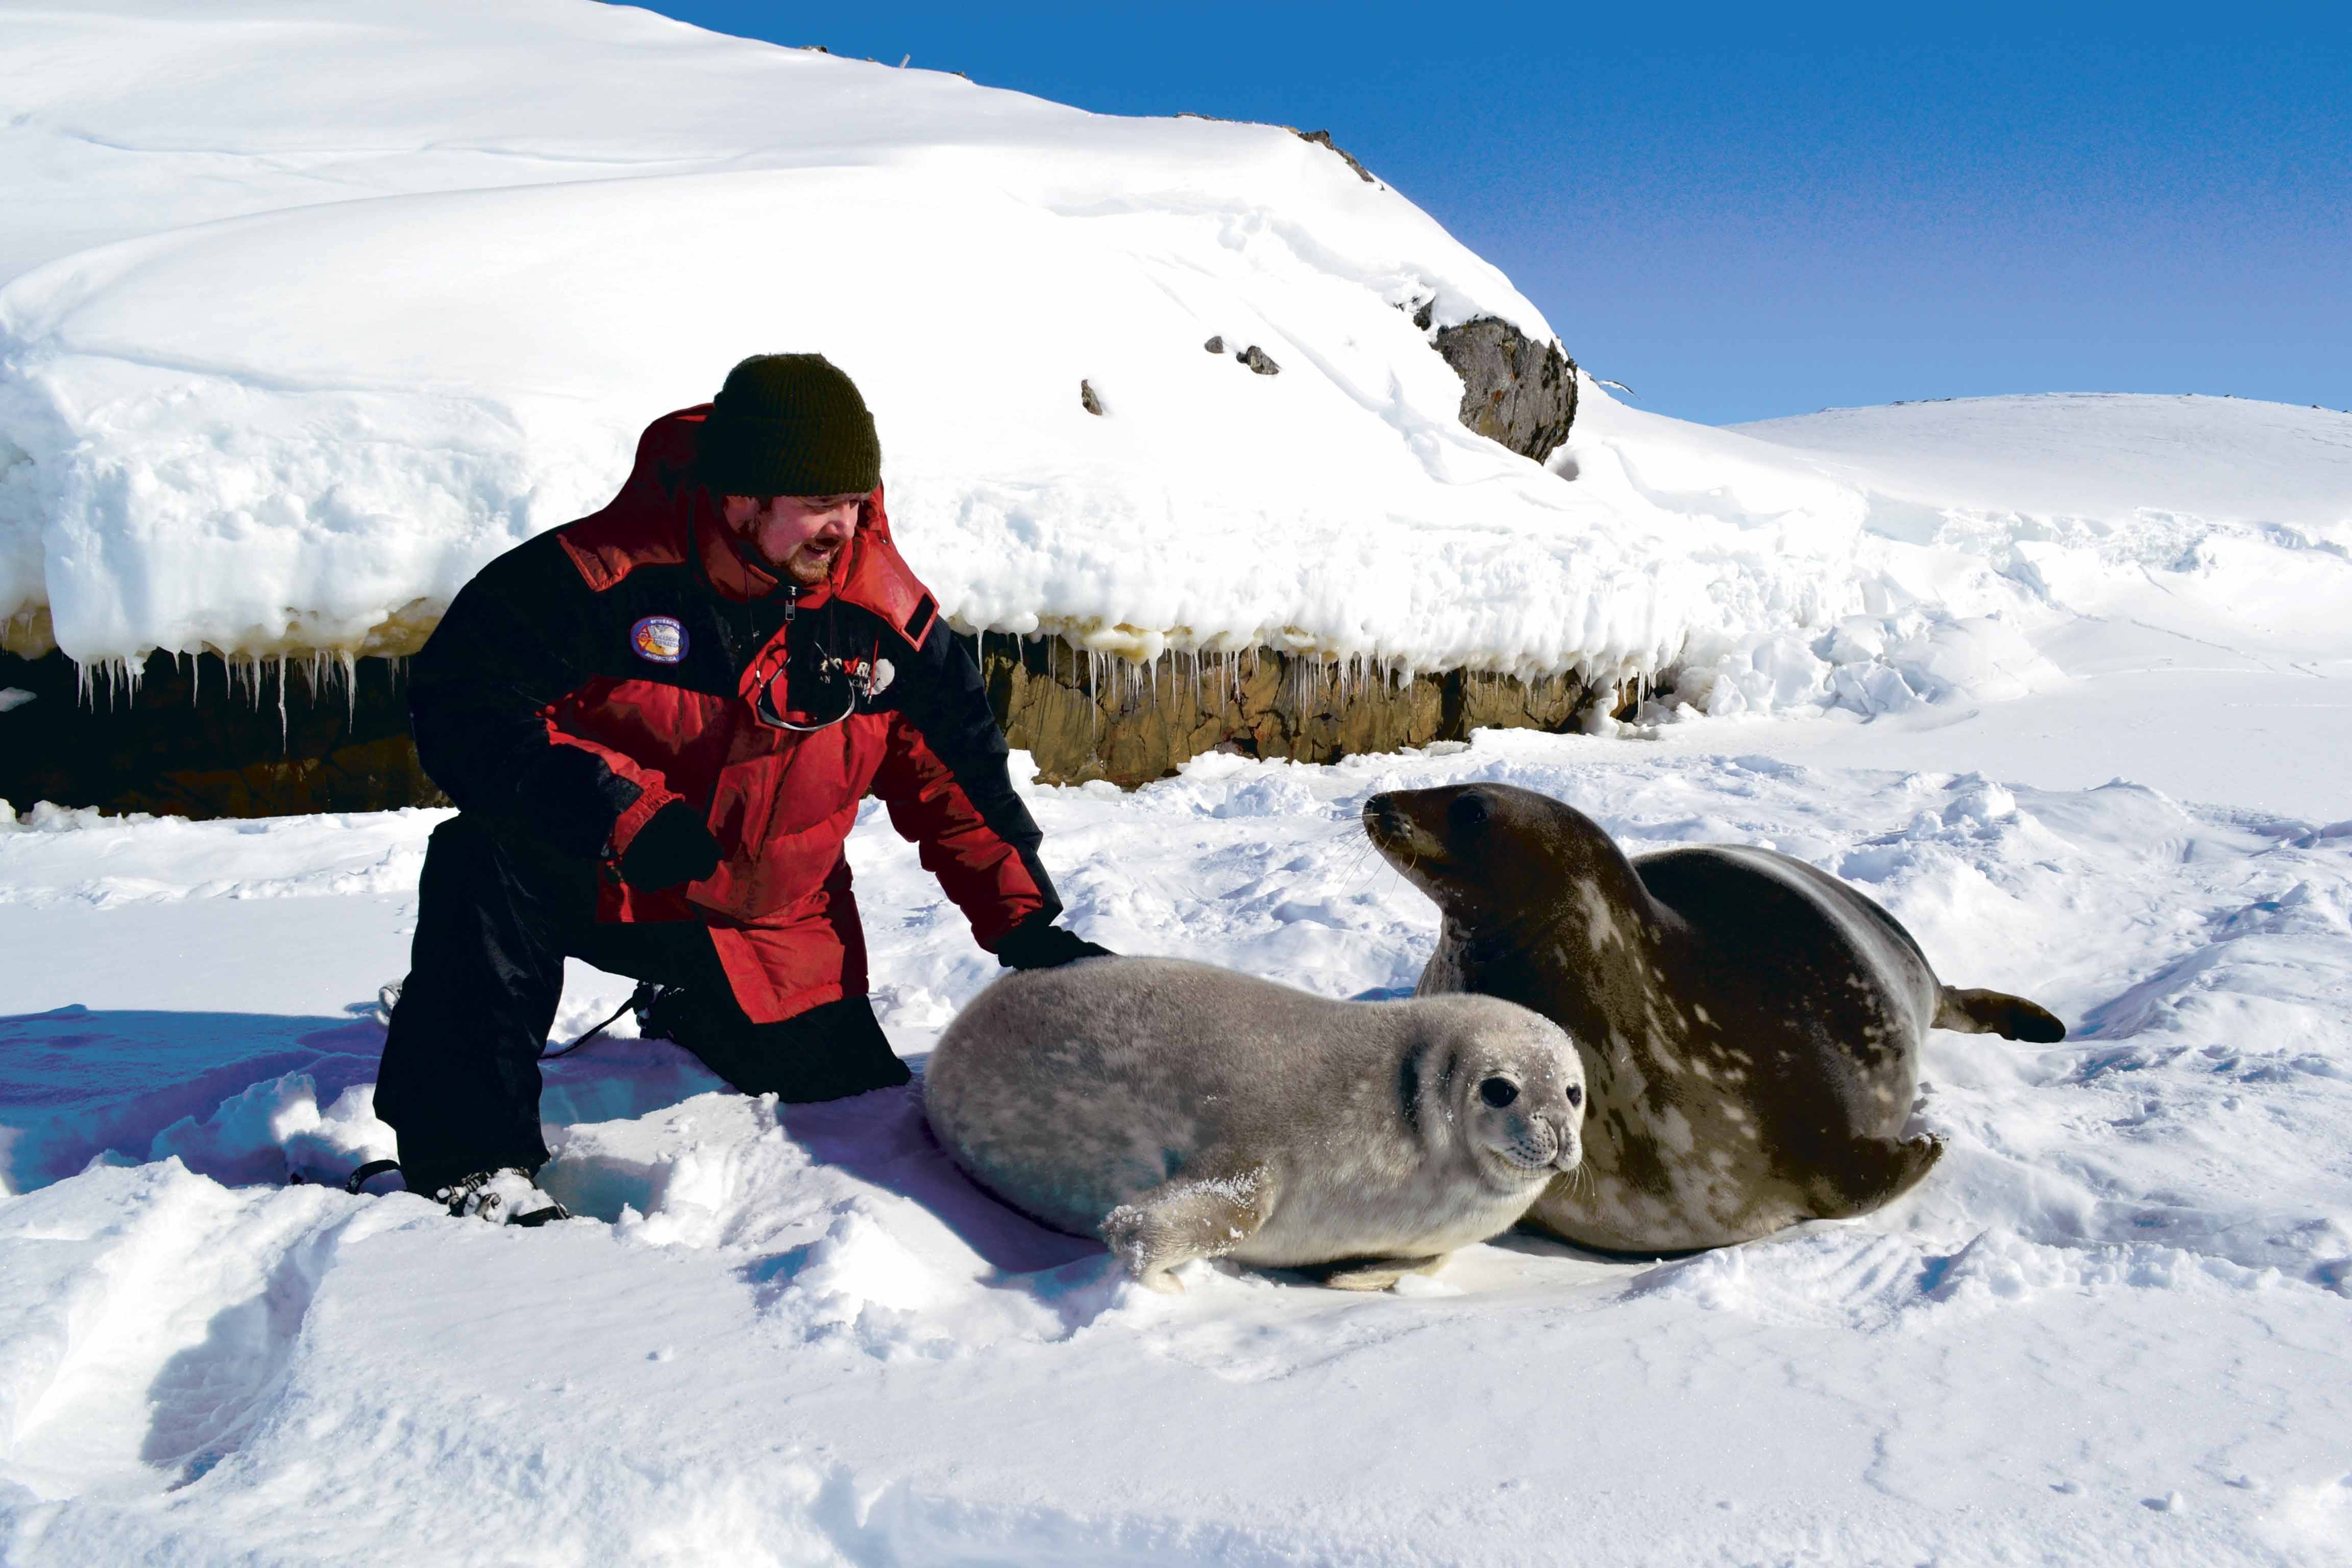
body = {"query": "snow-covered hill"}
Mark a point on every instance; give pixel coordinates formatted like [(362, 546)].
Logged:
[(429, 312), (285, 366)]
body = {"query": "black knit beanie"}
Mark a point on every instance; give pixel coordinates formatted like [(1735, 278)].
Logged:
[(790, 425)]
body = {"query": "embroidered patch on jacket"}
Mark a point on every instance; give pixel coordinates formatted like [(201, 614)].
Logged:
[(659, 639)]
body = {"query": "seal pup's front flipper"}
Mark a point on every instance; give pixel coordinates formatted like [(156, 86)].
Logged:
[(1997, 1013), (1376, 1273), (1206, 1213)]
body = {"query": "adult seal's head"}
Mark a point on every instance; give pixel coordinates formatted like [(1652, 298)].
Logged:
[(1750, 1026), (1180, 1111)]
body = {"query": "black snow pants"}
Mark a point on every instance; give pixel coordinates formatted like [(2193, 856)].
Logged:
[(498, 912)]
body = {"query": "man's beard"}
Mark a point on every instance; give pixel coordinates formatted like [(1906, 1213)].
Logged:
[(808, 568)]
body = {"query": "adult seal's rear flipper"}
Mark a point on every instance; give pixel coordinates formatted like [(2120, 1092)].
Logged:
[(1997, 1013), (1872, 1174)]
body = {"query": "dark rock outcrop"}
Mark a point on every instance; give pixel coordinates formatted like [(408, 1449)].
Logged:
[(186, 745), (1513, 390), (1258, 360), (1132, 724), (215, 752), (1088, 399), (1323, 139)]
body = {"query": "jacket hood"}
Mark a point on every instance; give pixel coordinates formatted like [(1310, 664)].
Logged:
[(664, 495)]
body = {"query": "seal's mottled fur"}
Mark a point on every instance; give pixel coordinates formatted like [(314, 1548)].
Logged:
[(1751, 1025), (1180, 1110)]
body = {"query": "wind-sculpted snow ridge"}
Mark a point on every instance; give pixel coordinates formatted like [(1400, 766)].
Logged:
[(2110, 1328)]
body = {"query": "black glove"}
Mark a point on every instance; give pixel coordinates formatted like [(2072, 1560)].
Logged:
[(672, 848), (1038, 943)]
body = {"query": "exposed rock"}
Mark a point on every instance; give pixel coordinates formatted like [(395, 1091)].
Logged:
[(1087, 398), (214, 751), (1106, 719), (1323, 139), (1320, 139), (186, 746), (1215, 345), (1513, 390), (1258, 360)]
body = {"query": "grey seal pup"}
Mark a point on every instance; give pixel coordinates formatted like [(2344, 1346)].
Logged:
[(1751, 1025), (1180, 1110)]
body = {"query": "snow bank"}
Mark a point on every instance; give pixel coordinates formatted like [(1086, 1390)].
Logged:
[(448, 308), (282, 369), (797, 1334)]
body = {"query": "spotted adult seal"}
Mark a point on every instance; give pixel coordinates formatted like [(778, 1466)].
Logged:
[(1750, 1026), (1180, 1110)]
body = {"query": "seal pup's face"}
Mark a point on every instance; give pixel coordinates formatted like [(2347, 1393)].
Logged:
[(1482, 852), (1512, 1082)]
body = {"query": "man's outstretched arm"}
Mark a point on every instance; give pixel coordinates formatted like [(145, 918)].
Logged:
[(948, 786)]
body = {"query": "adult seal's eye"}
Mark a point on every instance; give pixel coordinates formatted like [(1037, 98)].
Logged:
[(1467, 811), (1498, 1092)]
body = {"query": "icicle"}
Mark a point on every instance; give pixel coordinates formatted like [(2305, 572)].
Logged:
[(281, 702)]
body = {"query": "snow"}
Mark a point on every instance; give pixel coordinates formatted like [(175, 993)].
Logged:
[(262, 417), (2060, 681), (2110, 1328), (280, 369)]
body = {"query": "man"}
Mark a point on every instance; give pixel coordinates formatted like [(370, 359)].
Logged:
[(657, 723)]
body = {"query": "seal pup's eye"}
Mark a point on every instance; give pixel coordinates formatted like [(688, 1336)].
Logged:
[(1467, 811), (1498, 1092), (1575, 1094)]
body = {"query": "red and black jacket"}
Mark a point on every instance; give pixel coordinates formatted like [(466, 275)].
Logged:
[(591, 675)]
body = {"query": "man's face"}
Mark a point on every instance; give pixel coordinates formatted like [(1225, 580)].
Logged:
[(800, 536)]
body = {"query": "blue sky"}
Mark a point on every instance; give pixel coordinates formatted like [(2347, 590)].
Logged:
[(1742, 212)]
